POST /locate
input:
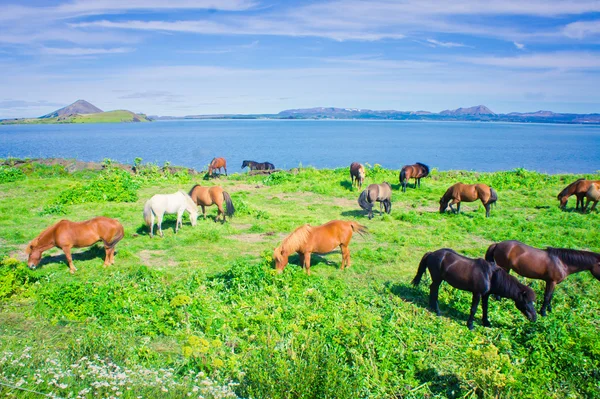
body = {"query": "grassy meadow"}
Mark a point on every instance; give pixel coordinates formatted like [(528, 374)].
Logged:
[(203, 314), (117, 116)]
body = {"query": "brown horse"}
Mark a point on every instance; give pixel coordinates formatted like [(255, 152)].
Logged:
[(578, 188), (357, 174), (216, 164), (468, 193), (552, 265), (307, 239), (66, 235), (207, 196), (477, 276), (592, 195), (376, 192), (416, 171)]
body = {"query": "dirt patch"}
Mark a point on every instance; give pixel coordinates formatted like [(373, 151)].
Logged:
[(250, 237), (153, 258), (345, 202), (244, 187)]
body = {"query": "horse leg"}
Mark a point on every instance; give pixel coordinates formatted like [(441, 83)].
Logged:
[(594, 206), (151, 224), (487, 210), (203, 211), (107, 251), (307, 262), (178, 221), (454, 201), (434, 290), (380, 207), (484, 305), (220, 213), (67, 251), (159, 224), (474, 304), (548, 297), (225, 170), (419, 182), (345, 256)]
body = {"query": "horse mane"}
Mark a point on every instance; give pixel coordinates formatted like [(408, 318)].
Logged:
[(574, 257), (506, 285), (425, 167), (36, 240), (566, 189), (192, 190), (296, 239)]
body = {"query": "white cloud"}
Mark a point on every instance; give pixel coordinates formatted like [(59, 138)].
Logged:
[(78, 51), (582, 29), (564, 60), (518, 45), (436, 43)]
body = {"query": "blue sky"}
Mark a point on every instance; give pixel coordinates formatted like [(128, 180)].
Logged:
[(183, 57)]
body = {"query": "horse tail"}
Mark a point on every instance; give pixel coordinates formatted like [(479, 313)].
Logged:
[(117, 237), (363, 201), (230, 209), (359, 228), (493, 197), (489, 254), (148, 213), (421, 270)]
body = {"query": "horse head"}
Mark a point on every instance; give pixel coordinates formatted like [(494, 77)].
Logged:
[(525, 302), (244, 164), (444, 203), (280, 259), (35, 255)]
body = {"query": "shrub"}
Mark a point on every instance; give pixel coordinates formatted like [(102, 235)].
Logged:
[(9, 174), (111, 185)]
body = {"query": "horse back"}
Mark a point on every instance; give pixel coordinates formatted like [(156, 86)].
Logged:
[(464, 273), (328, 236), (527, 261)]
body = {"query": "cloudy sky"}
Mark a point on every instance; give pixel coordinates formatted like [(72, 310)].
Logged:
[(182, 57)]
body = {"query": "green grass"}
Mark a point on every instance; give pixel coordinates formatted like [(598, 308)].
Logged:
[(203, 312), (117, 116)]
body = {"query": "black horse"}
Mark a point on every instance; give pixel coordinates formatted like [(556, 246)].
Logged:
[(477, 276), (258, 165)]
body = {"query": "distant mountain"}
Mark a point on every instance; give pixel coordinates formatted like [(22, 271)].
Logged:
[(472, 111), (78, 107)]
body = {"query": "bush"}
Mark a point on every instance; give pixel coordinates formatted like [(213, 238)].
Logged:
[(111, 185), (9, 174)]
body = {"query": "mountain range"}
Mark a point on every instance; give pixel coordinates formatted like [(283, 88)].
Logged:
[(476, 113)]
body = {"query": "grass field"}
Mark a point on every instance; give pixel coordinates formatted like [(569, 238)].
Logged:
[(202, 313), (117, 116)]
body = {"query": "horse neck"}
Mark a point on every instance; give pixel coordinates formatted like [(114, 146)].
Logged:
[(45, 240)]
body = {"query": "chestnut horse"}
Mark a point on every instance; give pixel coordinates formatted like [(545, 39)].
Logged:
[(468, 193), (376, 192), (592, 195), (216, 164), (307, 239), (258, 165), (207, 196), (477, 276), (357, 174), (66, 235), (552, 265), (416, 171), (578, 188)]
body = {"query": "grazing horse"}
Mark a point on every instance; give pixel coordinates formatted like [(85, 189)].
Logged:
[(160, 204), (357, 174), (468, 193), (207, 196), (376, 192), (307, 239), (216, 164), (477, 276), (552, 265), (592, 195), (66, 235), (579, 188), (258, 165), (416, 171)]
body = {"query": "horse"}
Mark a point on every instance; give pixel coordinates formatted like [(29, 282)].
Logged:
[(416, 171), (160, 204), (307, 239), (376, 192), (258, 165), (579, 188), (592, 195), (552, 265), (217, 164), (66, 235), (357, 174), (477, 276), (468, 193), (207, 196)]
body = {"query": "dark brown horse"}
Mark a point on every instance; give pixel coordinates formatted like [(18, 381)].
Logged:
[(258, 165), (552, 265), (357, 174), (376, 192), (468, 193), (578, 188), (207, 196), (216, 164), (66, 235), (477, 276), (322, 239), (416, 171)]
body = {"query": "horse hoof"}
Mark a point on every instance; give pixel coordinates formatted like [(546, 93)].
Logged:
[(487, 324), (470, 327)]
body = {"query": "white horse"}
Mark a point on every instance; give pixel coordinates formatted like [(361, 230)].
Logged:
[(160, 204)]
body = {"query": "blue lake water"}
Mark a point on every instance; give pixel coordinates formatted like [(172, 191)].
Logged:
[(444, 145)]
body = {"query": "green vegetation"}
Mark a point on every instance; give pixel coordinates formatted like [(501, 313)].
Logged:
[(101, 117), (202, 312)]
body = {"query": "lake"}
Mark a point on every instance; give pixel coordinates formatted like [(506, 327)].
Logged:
[(321, 143)]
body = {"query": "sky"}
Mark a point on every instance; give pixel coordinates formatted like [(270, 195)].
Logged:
[(189, 57)]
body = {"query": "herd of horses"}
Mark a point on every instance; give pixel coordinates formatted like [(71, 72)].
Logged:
[(482, 277)]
